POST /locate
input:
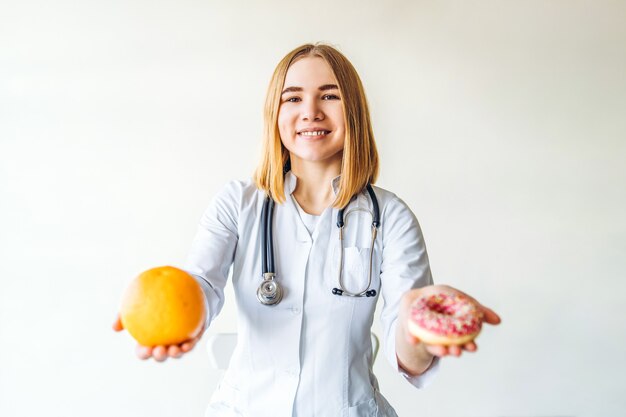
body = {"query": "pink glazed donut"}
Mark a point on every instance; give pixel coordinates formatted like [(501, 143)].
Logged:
[(445, 319)]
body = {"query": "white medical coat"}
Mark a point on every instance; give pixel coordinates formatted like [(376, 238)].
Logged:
[(311, 354)]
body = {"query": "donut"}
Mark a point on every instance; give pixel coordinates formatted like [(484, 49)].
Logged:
[(445, 319)]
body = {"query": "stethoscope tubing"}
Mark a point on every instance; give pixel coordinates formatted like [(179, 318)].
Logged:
[(342, 290), (264, 237), (375, 216), (267, 252)]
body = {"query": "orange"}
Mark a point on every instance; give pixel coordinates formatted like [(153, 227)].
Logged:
[(163, 306)]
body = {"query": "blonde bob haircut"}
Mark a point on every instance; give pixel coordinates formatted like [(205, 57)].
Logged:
[(359, 165)]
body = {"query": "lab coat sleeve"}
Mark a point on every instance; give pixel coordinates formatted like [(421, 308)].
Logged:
[(213, 248), (404, 266)]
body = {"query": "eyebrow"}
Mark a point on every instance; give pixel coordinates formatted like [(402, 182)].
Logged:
[(324, 87)]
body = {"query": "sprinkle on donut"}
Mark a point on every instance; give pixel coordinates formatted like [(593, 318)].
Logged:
[(446, 315)]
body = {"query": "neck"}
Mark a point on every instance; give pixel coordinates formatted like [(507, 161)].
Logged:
[(314, 192)]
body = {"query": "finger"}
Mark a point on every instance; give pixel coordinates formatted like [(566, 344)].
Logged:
[(143, 352), (470, 347), (159, 353), (437, 350), (174, 351), (187, 346), (454, 350), (490, 316), (117, 324)]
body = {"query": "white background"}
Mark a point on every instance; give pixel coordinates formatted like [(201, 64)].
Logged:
[(501, 123)]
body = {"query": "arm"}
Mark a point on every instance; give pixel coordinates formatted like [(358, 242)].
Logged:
[(404, 267), (213, 248), (210, 257), (405, 259)]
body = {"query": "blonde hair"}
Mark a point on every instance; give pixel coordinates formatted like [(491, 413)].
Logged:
[(360, 157)]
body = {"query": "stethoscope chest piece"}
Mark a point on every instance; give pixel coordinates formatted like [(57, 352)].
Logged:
[(269, 292)]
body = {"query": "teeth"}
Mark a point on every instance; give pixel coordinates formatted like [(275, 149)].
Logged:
[(316, 133)]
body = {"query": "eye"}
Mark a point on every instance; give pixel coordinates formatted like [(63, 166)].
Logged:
[(292, 99), (330, 97)]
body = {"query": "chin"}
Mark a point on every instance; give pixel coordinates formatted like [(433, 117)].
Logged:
[(318, 157)]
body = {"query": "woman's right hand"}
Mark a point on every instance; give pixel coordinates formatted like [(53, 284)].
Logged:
[(160, 353)]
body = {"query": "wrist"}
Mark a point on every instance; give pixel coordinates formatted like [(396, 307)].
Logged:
[(418, 362)]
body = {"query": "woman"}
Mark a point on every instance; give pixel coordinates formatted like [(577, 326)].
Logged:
[(304, 346)]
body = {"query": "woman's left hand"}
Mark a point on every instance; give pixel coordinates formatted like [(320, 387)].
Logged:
[(489, 316)]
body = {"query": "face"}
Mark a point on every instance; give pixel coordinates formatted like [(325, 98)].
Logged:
[(310, 118)]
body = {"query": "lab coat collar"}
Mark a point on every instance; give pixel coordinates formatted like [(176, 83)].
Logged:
[(291, 180)]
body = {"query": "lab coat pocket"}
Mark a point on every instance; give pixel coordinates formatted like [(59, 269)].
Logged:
[(356, 270)]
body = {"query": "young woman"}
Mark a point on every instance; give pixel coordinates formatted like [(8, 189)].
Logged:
[(306, 298)]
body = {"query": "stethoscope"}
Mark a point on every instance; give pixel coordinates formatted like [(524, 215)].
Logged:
[(270, 292)]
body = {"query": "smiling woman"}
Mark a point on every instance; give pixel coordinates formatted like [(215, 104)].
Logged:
[(307, 299)]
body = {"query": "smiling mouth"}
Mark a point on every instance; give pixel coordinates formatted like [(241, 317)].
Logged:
[(315, 133)]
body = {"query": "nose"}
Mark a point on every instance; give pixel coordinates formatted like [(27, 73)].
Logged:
[(312, 111)]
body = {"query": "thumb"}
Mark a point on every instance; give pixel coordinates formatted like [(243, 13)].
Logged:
[(490, 316)]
